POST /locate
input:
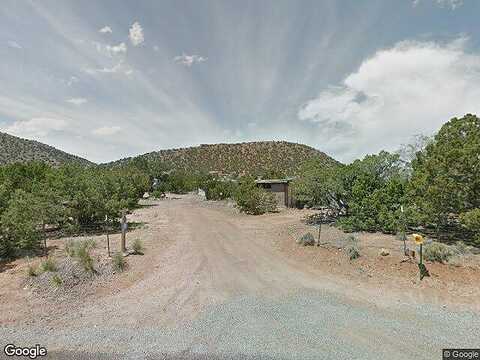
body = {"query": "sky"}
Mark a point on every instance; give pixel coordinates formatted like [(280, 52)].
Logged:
[(109, 79)]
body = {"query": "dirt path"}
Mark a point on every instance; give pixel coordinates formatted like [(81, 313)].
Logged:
[(213, 283)]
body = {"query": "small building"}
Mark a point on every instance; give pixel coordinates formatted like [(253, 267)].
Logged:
[(280, 188)]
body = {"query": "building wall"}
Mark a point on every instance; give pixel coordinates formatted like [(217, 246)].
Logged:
[(280, 192)]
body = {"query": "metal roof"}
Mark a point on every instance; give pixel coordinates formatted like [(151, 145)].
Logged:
[(274, 181)]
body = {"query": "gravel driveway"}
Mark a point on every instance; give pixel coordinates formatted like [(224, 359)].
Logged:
[(221, 292)]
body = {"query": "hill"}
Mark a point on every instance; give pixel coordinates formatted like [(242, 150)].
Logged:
[(276, 157), (15, 149)]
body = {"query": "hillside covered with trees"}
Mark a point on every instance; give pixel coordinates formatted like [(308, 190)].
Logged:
[(14, 149), (274, 158)]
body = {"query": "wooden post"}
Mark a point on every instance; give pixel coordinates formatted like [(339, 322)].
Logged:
[(44, 239), (319, 233), (404, 232), (124, 232), (108, 237)]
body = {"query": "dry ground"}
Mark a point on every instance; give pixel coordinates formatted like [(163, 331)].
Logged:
[(202, 256)]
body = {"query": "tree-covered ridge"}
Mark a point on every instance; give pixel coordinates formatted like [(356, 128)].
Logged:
[(14, 149), (249, 158)]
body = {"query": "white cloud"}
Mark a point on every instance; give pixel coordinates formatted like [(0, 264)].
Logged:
[(77, 101), (409, 89), (189, 60), (452, 4), (105, 29), (120, 67), (72, 80), (156, 48), (36, 127), (116, 49), (106, 130), (13, 44), (136, 34)]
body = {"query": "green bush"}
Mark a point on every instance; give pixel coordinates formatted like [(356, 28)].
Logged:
[(31, 271), (48, 265), (461, 248), (253, 200), (353, 252), (119, 262), (471, 220), (306, 239), (56, 280), (70, 197), (218, 189), (137, 246), (70, 247), (437, 252), (445, 178), (83, 256)]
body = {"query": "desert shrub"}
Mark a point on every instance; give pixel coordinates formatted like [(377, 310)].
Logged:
[(20, 224), (461, 248), (71, 197), (137, 246), (438, 252), (471, 220), (31, 271), (90, 244), (48, 265), (56, 280), (70, 246), (444, 183), (353, 252), (306, 239), (83, 256), (119, 262), (216, 189), (253, 200)]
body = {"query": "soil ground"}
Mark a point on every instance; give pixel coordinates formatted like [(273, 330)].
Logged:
[(213, 282)]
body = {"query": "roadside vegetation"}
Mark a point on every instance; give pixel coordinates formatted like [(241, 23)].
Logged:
[(68, 198), (253, 200), (432, 186)]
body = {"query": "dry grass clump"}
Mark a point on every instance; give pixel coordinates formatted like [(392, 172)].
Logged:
[(353, 252), (80, 250), (48, 265), (437, 252), (119, 262), (31, 271), (138, 247), (306, 240)]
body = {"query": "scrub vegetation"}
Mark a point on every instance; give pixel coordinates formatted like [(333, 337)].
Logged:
[(436, 189)]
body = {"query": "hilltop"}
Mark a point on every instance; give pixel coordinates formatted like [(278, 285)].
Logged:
[(14, 149), (241, 158)]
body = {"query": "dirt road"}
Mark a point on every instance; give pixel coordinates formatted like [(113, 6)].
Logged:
[(211, 285)]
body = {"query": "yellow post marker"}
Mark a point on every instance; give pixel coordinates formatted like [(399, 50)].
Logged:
[(419, 240)]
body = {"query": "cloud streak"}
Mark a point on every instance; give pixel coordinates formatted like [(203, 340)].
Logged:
[(77, 101), (36, 127), (452, 4), (189, 60), (13, 44)]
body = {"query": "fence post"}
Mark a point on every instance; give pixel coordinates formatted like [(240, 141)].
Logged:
[(44, 233), (319, 233), (108, 235), (124, 231)]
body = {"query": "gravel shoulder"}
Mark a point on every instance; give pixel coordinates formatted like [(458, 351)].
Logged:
[(218, 284)]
